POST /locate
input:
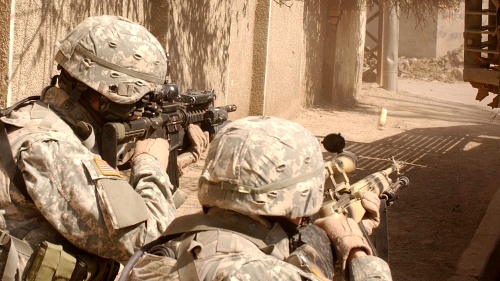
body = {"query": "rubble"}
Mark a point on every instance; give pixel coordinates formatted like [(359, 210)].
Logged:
[(448, 68)]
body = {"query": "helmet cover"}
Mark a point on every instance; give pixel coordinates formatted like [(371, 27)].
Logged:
[(262, 165), (116, 57)]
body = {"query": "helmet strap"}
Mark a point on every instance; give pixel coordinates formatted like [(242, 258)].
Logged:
[(75, 95)]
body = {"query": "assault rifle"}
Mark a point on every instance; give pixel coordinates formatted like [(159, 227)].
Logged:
[(164, 114), (343, 198)]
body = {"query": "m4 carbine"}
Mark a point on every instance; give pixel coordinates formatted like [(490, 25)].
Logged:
[(164, 114)]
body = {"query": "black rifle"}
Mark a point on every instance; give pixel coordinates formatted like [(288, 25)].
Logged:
[(164, 114)]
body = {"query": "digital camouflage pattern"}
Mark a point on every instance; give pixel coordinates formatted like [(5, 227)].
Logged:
[(226, 255), (264, 166), (369, 268), (114, 56), (72, 191)]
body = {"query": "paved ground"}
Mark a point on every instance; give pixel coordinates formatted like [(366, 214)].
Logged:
[(451, 144)]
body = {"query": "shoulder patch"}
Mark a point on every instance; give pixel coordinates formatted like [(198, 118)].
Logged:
[(106, 169)]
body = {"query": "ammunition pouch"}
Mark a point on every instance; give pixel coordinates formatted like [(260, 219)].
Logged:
[(52, 262)]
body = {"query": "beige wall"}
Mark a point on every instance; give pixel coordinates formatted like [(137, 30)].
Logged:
[(442, 32), (4, 50), (39, 24), (265, 56)]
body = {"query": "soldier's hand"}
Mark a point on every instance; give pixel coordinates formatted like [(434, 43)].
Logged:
[(345, 235), (156, 148), (199, 140), (371, 203)]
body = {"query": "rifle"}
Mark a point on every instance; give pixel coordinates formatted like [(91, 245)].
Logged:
[(164, 114), (344, 199)]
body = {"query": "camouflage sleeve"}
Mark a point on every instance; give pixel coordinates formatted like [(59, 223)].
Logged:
[(153, 184), (258, 267), (367, 268), (68, 196)]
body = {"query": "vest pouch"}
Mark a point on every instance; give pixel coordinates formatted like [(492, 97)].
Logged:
[(50, 262)]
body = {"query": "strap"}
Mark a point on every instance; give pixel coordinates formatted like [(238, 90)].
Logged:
[(129, 72), (10, 165), (8, 110), (266, 188), (185, 263), (12, 261), (201, 222), (195, 223)]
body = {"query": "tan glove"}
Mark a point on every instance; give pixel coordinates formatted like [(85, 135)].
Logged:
[(371, 203), (199, 140), (156, 148), (345, 235), (199, 143)]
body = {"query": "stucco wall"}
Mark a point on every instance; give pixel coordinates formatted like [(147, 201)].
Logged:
[(284, 63), (449, 31), (4, 50), (442, 32), (38, 24), (417, 41), (198, 42), (255, 54)]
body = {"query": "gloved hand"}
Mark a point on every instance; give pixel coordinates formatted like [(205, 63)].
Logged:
[(371, 203), (345, 235), (199, 140), (199, 143), (156, 148)]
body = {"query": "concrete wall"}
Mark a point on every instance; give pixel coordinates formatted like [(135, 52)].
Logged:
[(442, 32), (449, 31), (38, 24), (265, 56)]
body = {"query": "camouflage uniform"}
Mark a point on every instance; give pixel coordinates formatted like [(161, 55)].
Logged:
[(76, 196), (256, 168), (63, 180)]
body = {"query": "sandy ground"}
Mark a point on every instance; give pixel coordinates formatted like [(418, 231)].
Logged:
[(450, 142)]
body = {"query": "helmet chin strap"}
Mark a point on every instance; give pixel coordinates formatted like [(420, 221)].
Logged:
[(73, 113)]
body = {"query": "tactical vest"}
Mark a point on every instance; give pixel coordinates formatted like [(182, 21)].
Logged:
[(156, 261)]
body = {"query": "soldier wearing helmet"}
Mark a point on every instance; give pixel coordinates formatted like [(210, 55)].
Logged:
[(263, 178), (63, 207)]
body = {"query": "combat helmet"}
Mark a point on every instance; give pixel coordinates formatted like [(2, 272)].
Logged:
[(263, 165), (114, 56)]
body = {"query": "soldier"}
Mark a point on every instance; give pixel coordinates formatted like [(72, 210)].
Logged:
[(58, 197), (263, 177)]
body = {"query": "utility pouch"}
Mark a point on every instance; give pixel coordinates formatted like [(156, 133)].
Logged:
[(51, 262)]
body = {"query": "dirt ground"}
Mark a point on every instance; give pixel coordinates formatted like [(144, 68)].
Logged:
[(450, 143)]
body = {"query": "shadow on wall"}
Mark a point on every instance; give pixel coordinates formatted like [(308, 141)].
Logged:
[(38, 25), (198, 42), (315, 25)]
